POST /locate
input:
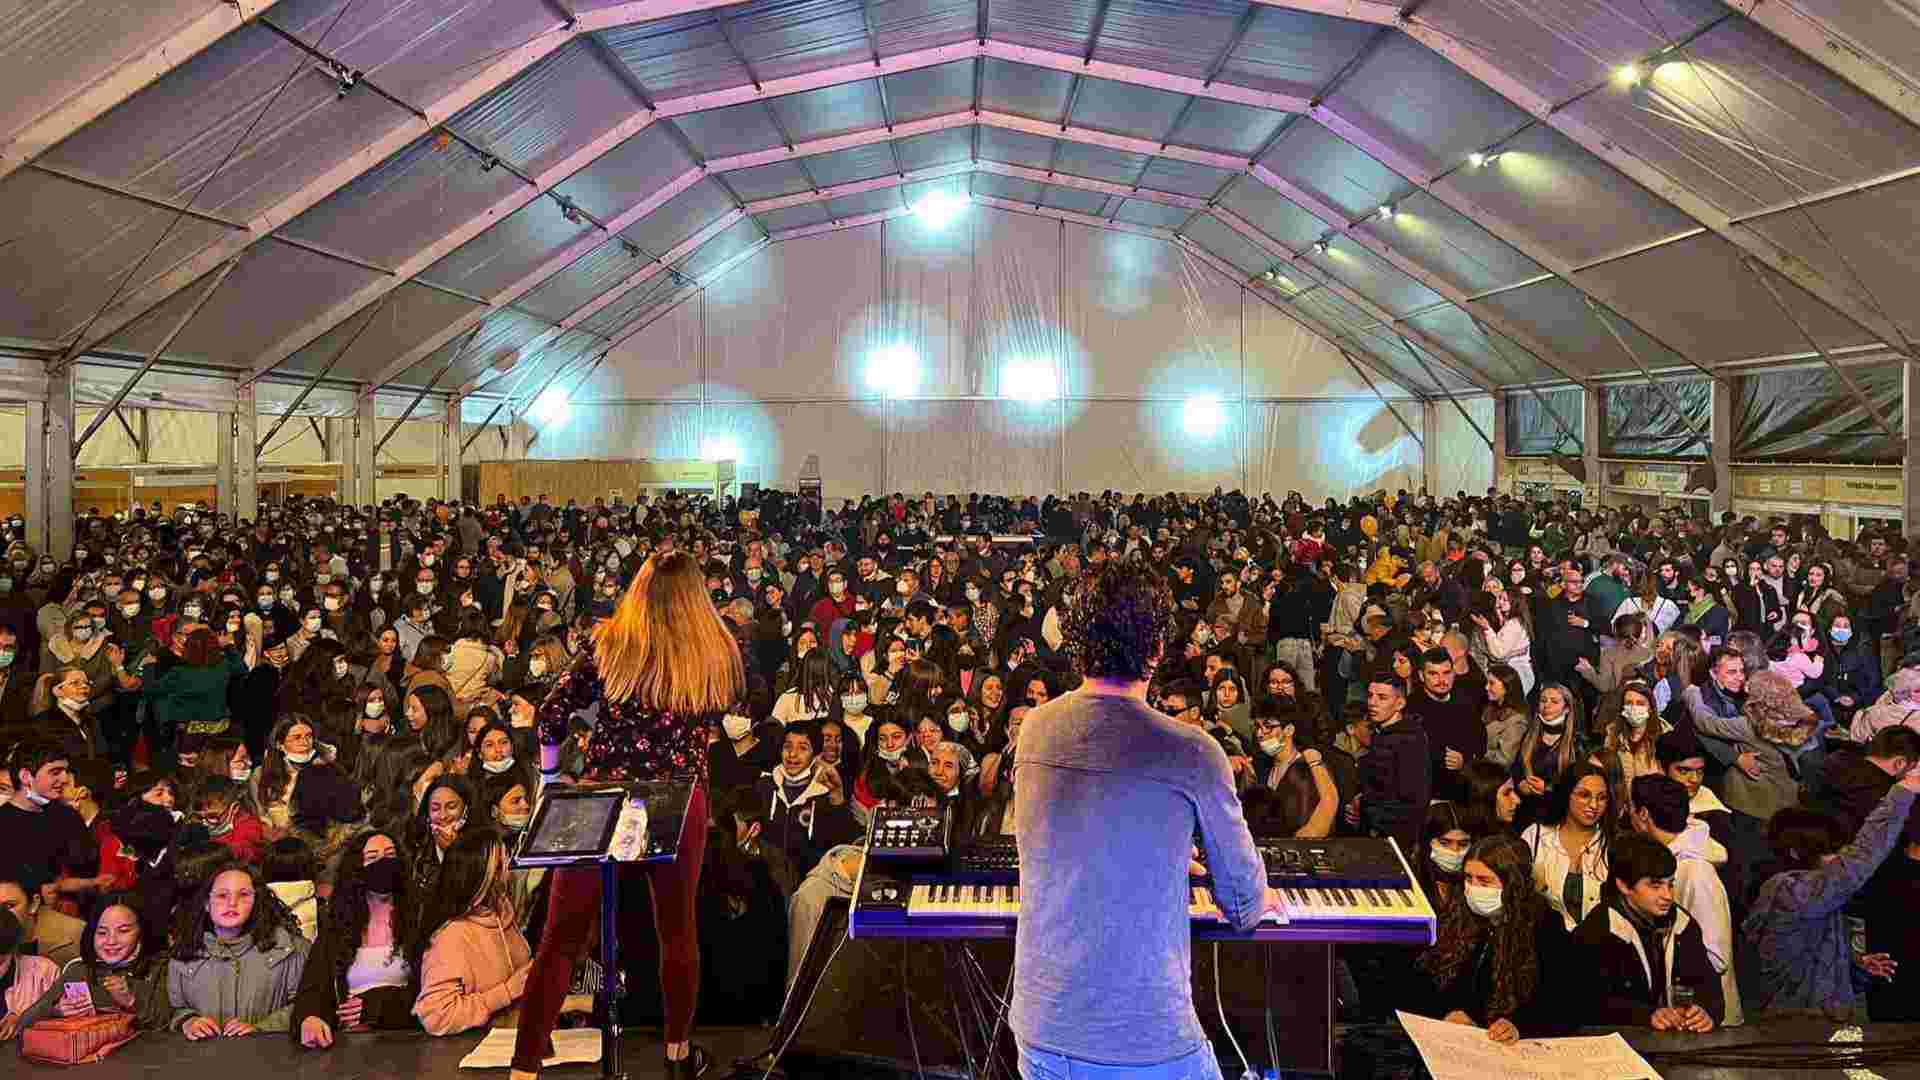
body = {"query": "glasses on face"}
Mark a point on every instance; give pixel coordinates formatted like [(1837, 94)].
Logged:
[(1590, 797)]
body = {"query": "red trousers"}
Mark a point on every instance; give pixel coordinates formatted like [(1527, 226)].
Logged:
[(573, 900)]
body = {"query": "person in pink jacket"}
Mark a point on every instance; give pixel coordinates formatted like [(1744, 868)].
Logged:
[(473, 960), (26, 977)]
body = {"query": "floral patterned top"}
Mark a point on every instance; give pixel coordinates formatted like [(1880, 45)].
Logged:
[(628, 742)]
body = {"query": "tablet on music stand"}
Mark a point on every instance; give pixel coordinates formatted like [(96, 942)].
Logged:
[(573, 825)]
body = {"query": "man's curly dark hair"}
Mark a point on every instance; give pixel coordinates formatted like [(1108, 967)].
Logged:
[(1119, 622)]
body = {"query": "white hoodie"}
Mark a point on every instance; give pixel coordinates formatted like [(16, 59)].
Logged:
[(1697, 888)]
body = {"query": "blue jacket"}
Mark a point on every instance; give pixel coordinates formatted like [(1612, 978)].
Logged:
[(1795, 933)]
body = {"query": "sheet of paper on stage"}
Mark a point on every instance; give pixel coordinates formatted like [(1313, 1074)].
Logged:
[(571, 1046), (1459, 1052)]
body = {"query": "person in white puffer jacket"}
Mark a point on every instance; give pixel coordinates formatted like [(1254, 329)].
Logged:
[(1660, 811)]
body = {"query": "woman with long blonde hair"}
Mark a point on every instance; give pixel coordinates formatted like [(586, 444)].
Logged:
[(662, 670)]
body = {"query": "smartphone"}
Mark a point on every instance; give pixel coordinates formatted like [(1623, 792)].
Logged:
[(77, 993)]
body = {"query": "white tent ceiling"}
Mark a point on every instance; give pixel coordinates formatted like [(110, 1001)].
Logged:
[(1465, 194)]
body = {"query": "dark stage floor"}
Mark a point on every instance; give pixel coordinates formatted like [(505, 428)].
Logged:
[(377, 1057)]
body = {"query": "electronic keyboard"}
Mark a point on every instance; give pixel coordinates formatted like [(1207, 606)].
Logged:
[(1336, 890)]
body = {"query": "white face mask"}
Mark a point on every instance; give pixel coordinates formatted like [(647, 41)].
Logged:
[(240, 773), (301, 758), (836, 587), (312, 624), (376, 709), (130, 610), (735, 726), (536, 667), (958, 722), (890, 756), (1483, 899), (498, 767), (1636, 715), (853, 703), (1270, 745), (1449, 860), (425, 588)]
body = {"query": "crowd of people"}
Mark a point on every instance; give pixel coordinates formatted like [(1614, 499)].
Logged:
[(265, 776)]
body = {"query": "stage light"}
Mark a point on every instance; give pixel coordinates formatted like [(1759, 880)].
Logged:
[(1481, 161), (1629, 75), (552, 406), (1386, 212), (940, 207), (1202, 416), (1320, 247), (894, 370), (1029, 380), (720, 449)]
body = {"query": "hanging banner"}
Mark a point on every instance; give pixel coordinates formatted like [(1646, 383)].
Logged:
[(1640, 421), (1532, 430), (1809, 414)]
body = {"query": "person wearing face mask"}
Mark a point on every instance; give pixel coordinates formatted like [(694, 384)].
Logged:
[(1854, 672), (1289, 789), (1631, 733), (359, 976), (745, 751), (16, 688), (86, 645), (221, 805), (1496, 961), (49, 848), (121, 969), (808, 810)]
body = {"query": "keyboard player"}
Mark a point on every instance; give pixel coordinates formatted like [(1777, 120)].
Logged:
[(1111, 793)]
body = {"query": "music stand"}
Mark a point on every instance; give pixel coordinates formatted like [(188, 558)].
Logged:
[(605, 825)]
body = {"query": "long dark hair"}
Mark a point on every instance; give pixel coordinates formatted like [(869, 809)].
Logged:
[(276, 770), (445, 734), (462, 886), (1515, 960), (151, 937), (419, 839), (265, 923), (345, 917)]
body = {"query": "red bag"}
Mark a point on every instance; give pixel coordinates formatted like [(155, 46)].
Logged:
[(77, 1040)]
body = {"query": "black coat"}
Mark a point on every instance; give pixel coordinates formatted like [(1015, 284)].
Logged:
[(1541, 1016), (1613, 988), (321, 992)]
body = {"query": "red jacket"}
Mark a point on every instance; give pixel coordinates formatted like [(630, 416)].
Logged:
[(827, 610), (247, 839)]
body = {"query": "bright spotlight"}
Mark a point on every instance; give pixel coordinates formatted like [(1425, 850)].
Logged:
[(552, 406), (1386, 212), (720, 449), (1481, 161), (940, 207), (1629, 75), (1029, 380), (894, 370), (1202, 416)]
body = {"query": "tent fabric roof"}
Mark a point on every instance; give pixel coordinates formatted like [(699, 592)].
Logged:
[(404, 192)]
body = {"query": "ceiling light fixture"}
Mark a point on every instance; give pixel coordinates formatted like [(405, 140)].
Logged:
[(1386, 212), (1320, 247), (1629, 75)]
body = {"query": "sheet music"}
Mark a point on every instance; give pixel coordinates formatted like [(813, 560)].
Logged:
[(1459, 1052), (571, 1046)]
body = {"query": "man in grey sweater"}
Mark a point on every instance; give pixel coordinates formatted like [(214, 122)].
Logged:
[(1111, 792)]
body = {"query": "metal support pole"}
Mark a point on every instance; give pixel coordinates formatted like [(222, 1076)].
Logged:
[(1428, 368), (246, 465), (1360, 371), (153, 357), (1910, 460), (451, 447), (139, 445), (1760, 273), (1590, 408), (366, 473), (1722, 428), (60, 461), (320, 436), (223, 462), (1499, 439), (1430, 448), (146, 437), (425, 390), (501, 404)]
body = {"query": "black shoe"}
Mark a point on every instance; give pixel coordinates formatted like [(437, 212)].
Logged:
[(694, 1065)]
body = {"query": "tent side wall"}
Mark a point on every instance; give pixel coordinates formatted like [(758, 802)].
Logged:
[(1005, 352)]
